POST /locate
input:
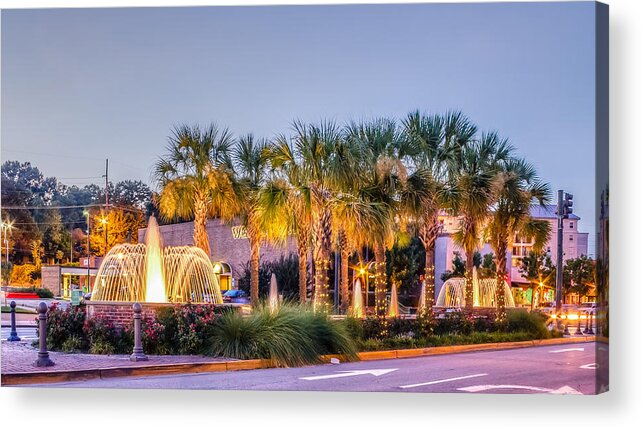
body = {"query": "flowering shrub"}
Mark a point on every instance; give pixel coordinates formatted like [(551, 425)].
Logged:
[(181, 328), (104, 337), (64, 324)]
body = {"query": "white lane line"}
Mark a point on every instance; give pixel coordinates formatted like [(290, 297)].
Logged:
[(564, 390), (566, 350), (375, 372), (443, 380)]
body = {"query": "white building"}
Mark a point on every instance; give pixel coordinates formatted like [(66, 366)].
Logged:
[(575, 244)]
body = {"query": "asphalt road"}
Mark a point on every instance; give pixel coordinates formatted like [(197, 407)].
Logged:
[(562, 369)]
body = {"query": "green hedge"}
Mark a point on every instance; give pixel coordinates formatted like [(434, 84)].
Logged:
[(291, 335)]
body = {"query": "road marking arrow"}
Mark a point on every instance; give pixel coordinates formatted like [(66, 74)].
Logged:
[(443, 380), (591, 366), (479, 388), (374, 372), (566, 350)]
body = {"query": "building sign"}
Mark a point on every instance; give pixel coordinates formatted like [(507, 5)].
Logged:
[(75, 297), (239, 232)]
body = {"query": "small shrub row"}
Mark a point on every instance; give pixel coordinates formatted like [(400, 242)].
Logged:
[(452, 324), (43, 293), (290, 335)]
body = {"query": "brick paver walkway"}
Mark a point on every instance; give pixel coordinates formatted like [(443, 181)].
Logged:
[(18, 357)]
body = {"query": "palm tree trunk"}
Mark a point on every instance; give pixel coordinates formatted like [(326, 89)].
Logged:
[(201, 240), (344, 285), (429, 278), (428, 236), (469, 298), (255, 245), (380, 281), (302, 249), (322, 259), (500, 297)]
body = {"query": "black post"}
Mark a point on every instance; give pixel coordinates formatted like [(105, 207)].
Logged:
[(578, 330), (13, 336), (566, 325), (559, 268), (590, 325), (43, 355), (138, 354)]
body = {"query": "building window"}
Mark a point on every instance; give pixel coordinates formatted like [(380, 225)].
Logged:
[(570, 225), (570, 238)]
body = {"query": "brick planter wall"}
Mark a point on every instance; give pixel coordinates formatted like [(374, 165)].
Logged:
[(121, 313)]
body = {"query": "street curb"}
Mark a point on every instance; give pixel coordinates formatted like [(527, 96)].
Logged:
[(26, 378)]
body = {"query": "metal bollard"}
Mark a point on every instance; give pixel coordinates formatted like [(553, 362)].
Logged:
[(578, 330), (13, 336), (43, 355), (138, 354), (589, 330), (566, 332)]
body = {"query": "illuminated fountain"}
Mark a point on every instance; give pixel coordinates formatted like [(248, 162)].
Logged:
[(155, 274), (453, 293), (357, 300)]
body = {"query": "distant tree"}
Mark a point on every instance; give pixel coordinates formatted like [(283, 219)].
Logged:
[(487, 266), (539, 270), (579, 275), (458, 269), (405, 264), (43, 189), (121, 227), (131, 193)]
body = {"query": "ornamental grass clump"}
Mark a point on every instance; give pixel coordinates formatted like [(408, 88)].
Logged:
[(290, 335)]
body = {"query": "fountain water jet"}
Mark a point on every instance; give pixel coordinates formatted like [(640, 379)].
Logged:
[(453, 293), (274, 294), (422, 298), (152, 273), (393, 310), (357, 300)]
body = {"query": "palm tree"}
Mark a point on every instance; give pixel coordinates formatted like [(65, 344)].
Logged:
[(195, 178), (320, 171), (286, 203), (250, 161), (476, 180), (434, 143), (520, 188), (382, 173)]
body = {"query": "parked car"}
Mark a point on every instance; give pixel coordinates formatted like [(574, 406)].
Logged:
[(235, 296)]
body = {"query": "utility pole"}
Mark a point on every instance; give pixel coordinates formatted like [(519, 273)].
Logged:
[(564, 209), (86, 212), (105, 224)]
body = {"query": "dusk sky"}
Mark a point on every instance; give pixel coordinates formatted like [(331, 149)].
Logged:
[(82, 85)]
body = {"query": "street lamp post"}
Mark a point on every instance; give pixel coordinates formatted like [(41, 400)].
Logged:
[(103, 221), (6, 226)]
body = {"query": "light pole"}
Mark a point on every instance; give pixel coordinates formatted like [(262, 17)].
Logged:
[(6, 226), (86, 214), (564, 209), (103, 221)]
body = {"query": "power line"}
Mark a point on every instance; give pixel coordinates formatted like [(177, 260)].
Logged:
[(56, 207)]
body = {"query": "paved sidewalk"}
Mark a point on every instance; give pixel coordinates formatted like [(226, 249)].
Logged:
[(18, 357)]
